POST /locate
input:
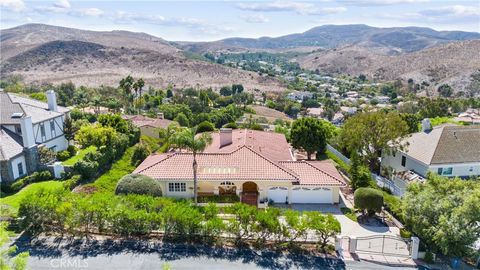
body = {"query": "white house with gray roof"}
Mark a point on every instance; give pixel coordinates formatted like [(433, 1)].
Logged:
[(448, 150), (26, 125)]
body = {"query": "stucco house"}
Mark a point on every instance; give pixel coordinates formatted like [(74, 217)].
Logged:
[(255, 165), (149, 126), (26, 125), (448, 150)]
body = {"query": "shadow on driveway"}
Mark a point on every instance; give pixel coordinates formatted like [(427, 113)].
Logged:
[(50, 248)]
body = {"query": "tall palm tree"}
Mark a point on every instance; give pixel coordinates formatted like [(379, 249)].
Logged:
[(186, 139)]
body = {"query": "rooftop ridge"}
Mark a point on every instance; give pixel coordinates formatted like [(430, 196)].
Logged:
[(341, 182)]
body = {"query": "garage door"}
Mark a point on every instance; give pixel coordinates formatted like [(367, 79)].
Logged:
[(278, 194), (311, 195)]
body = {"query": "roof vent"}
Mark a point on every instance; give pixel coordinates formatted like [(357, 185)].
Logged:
[(17, 115)]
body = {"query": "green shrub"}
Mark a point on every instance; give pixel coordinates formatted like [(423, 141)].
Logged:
[(428, 257), (72, 149), (219, 199), (368, 199), (33, 178), (404, 233), (63, 155), (17, 185), (205, 126), (350, 213), (87, 169), (231, 125), (140, 153), (71, 183), (138, 184)]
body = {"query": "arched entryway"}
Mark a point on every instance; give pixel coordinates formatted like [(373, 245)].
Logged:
[(250, 193)]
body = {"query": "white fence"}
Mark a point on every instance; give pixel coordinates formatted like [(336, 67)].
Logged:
[(381, 181)]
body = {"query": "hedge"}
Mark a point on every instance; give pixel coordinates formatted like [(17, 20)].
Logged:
[(138, 184)]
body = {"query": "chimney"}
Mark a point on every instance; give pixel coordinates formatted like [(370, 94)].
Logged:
[(52, 100), (225, 136), (426, 125), (27, 132), (160, 115)]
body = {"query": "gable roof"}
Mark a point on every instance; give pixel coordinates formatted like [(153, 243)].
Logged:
[(445, 144), (142, 121), (11, 103), (242, 164), (10, 144), (272, 145)]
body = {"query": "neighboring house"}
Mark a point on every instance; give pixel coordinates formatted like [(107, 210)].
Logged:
[(299, 95), (315, 112), (148, 126), (26, 125), (471, 116), (447, 150), (258, 166)]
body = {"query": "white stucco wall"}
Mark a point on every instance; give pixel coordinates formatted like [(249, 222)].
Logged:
[(461, 170), (14, 163)]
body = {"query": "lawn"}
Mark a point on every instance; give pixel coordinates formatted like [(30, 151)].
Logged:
[(108, 181), (15, 199), (79, 156)]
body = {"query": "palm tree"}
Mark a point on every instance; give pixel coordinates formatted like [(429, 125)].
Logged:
[(186, 139)]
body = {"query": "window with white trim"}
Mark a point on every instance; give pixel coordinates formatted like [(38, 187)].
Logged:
[(177, 187)]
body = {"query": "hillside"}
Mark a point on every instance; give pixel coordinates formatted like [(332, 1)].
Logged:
[(451, 63), (50, 54), (396, 39)]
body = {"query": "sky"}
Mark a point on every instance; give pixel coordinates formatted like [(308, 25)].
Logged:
[(197, 20)]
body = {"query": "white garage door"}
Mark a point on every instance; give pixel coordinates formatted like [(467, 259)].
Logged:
[(278, 194), (312, 195)]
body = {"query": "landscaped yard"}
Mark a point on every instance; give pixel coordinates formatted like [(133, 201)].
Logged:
[(15, 199), (79, 156), (108, 181)]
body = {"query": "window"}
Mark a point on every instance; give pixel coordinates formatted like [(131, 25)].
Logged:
[(471, 169), (20, 168), (177, 187), (439, 171), (404, 161), (447, 171), (52, 128), (18, 130), (42, 130)]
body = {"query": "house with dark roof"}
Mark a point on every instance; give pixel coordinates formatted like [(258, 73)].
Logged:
[(255, 165), (149, 126), (448, 150), (26, 125)]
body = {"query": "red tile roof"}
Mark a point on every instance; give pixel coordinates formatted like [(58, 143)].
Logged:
[(141, 120), (318, 173), (242, 164), (272, 145)]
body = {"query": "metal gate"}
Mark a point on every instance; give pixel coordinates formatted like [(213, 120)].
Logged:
[(384, 244)]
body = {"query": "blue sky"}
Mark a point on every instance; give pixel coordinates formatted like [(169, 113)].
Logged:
[(213, 20)]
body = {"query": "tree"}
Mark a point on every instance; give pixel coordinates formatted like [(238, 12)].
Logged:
[(140, 152), (360, 175), (311, 135), (370, 134), (182, 119), (324, 226), (445, 213), (205, 126), (368, 199), (226, 91), (237, 88), (186, 139), (126, 84), (445, 90), (68, 129)]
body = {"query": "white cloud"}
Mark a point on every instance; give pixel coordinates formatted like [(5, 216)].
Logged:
[(455, 11), (299, 7), (302, 8), (255, 18), (94, 12), (63, 4), (379, 2), (14, 5)]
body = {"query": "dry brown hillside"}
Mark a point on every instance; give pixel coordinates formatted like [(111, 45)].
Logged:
[(451, 63), (50, 54)]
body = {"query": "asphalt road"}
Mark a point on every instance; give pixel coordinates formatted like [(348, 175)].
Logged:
[(52, 253)]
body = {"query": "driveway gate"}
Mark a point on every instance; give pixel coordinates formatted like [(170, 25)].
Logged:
[(384, 244)]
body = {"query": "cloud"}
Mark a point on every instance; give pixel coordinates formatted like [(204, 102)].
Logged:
[(452, 11), (379, 2), (255, 18), (276, 6), (93, 12), (13, 5), (62, 4), (301, 8)]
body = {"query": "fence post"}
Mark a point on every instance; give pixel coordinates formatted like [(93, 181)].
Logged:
[(338, 243), (353, 244), (415, 246)]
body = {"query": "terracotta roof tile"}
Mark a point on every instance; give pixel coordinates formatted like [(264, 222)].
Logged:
[(317, 173)]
